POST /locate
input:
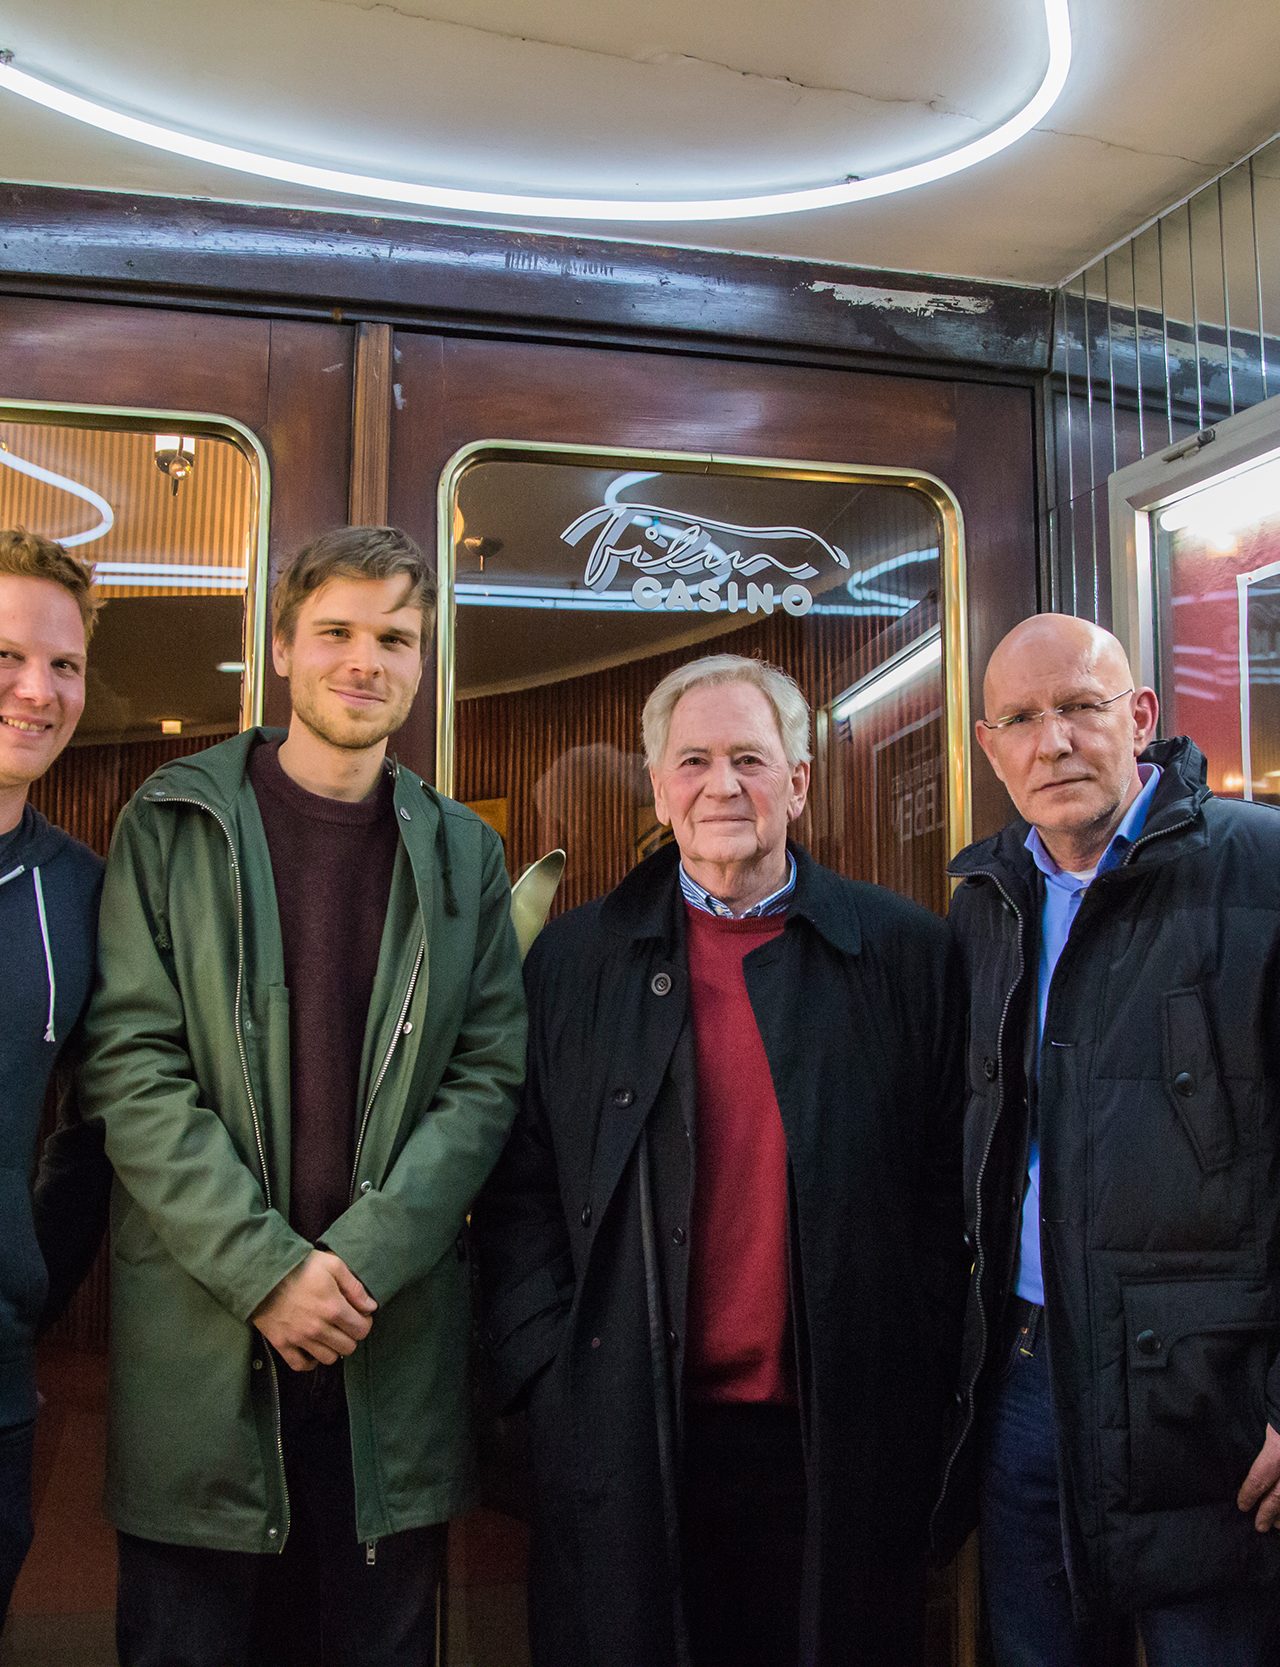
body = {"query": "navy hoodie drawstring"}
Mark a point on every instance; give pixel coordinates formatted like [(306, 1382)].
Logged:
[(50, 1034)]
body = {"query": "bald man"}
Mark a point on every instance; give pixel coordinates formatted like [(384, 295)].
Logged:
[(1120, 1398)]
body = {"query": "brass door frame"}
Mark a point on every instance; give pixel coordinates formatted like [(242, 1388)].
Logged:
[(953, 567), (145, 420)]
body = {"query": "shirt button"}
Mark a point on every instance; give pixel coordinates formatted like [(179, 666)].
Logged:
[(660, 983), (404, 814), (586, 1215), (672, 1339), (595, 1342), (257, 1363), (677, 1235), (623, 1097)]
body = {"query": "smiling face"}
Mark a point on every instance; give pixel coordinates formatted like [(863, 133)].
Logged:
[(1074, 781), (42, 666), (353, 663), (727, 791)]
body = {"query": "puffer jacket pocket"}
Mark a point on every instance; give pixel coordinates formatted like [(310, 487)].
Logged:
[(1196, 1359), (1194, 1082)]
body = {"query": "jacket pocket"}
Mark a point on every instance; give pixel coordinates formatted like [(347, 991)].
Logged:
[(1194, 1083), (1196, 1358)]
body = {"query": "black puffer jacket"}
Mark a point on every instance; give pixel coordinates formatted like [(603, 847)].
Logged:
[(1159, 1184)]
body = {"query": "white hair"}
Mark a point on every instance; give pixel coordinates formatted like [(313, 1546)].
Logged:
[(790, 708)]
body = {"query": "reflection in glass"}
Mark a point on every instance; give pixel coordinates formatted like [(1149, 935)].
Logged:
[(1215, 551), (578, 587)]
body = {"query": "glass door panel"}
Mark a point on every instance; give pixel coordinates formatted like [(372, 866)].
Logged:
[(579, 580)]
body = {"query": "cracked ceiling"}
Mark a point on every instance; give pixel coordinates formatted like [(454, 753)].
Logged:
[(665, 98)]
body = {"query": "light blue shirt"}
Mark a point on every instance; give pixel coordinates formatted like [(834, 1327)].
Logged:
[(1062, 893), (776, 903)]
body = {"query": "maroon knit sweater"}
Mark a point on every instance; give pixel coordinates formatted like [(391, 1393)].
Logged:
[(739, 1340), (332, 863)]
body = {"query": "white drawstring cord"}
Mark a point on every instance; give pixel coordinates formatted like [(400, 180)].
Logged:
[(49, 1035)]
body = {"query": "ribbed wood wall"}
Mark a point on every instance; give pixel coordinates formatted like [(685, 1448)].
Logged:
[(208, 522), (567, 756), (84, 793)]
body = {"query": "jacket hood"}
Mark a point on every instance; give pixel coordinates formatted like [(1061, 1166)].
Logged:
[(1178, 803), (36, 844)]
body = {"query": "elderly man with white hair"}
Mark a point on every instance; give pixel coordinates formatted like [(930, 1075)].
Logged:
[(722, 1256), (1119, 1420)]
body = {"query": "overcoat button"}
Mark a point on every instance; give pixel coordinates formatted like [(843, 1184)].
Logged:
[(660, 983), (595, 1342), (672, 1339), (366, 1186), (257, 1363), (586, 1215), (1185, 1084), (990, 1069), (404, 814), (677, 1235), (623, 1097), (1148, 1343)]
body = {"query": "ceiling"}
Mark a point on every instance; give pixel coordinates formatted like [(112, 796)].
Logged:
[(670, 98)]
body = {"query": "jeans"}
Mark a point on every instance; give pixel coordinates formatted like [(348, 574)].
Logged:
[(325, 1601), (1024, 1579), (16, 1446)]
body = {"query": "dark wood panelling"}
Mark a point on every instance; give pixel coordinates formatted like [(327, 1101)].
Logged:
[(496, 278), (370, 426), (99, 355)]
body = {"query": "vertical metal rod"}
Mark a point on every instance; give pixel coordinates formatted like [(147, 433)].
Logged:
[(1195, 318), (1226, 301), (1164, 333), (1093, 462), (1257, 273), (1071, 439), (1111, 362), (1137, 343)]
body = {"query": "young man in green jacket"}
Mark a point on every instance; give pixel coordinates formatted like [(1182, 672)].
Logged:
[(305, 1047)]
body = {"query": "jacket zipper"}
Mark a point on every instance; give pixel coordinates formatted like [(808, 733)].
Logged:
[(979, 1253), (167, 799), (386, 1062)]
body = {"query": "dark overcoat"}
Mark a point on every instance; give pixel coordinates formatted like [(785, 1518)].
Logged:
[(584, 1238)]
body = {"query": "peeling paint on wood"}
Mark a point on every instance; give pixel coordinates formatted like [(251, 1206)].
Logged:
[(922, 303)]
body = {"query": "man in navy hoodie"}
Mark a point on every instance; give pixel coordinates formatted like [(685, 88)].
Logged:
[(48, 918)]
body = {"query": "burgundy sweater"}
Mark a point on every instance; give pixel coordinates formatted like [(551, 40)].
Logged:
[(739, 1340)]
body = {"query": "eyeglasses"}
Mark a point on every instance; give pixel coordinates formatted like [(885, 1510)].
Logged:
[(1076, 714)]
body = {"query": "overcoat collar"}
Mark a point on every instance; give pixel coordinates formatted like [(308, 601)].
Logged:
[(648, 904)]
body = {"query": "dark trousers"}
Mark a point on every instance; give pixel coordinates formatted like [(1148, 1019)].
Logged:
[(742, 1535), (324, 1601), (17, 1443), (1024, 1579)]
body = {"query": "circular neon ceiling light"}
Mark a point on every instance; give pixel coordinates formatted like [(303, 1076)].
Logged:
[(852, 190)]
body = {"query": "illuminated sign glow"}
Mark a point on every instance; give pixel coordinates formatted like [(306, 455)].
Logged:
[(850, 189)]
